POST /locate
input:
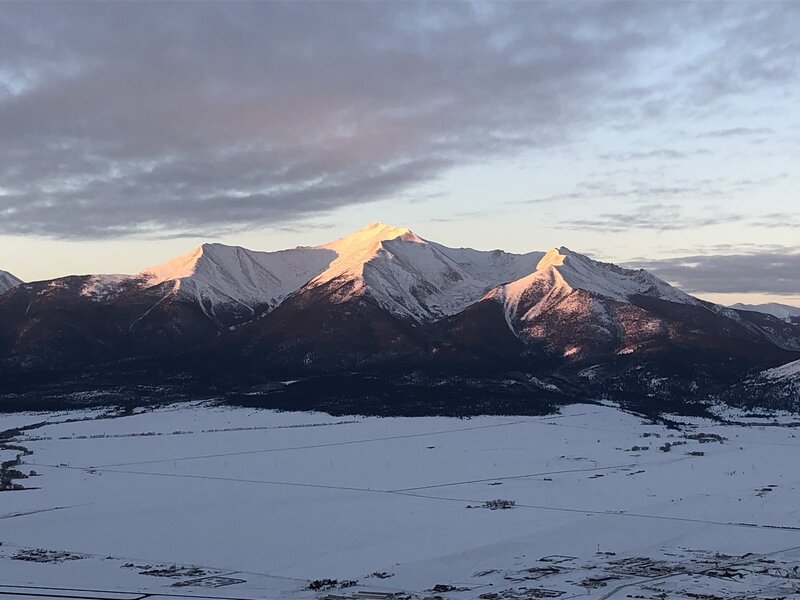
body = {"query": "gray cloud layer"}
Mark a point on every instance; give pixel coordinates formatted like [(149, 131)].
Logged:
[(766, 272), (165, 119)]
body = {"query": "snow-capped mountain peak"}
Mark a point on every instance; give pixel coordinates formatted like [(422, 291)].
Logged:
[(376, 232), (355, 250), (216, 274), (8, 281), (555, 257), (565, 271), (179, 267), (413, 277), (572, 292), (369, 238)]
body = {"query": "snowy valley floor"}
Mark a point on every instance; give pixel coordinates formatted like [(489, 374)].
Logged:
[(217, 502)]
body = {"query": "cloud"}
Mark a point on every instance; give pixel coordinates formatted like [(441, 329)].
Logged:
[(732, 132), (760, 272), (653, 193), (658, 154), (164, 119), (458, 216), (747, 248), (751, 54), (675, 217), (657, 217), (778, 221)]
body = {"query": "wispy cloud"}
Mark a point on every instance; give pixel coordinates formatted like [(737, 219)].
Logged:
[(658, 217), (779, 221), (733, 132), (651, 191), (657, 153)]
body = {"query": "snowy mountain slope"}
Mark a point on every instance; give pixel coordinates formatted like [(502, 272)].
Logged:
[(784, 372), (227, 284), (776, 388), (562, 271), (577, 284), (215, 275), (784, 333), (582, 308), (494, 265), (8, 281), (785, 312), (412, 277)]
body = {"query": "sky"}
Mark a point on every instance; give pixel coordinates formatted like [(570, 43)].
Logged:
[(662, 135)]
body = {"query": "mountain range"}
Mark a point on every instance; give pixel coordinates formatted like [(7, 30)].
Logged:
[(385, 321)]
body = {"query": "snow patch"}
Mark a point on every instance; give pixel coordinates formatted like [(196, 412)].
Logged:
[(102, 288), (787, 371)]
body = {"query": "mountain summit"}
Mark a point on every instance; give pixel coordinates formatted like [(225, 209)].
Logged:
[(223, 279), (412, 277)]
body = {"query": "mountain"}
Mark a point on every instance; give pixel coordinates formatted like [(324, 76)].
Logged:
[(776, 388), (377, 304), (385, 305), (581, 307), (181, 302), (227, 283), (411, 277), (785, 312), (8, 281), (596, 328), (199, 295), (584, 309)]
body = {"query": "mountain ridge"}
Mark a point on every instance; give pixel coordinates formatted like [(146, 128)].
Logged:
[(785, 312), (385, 300)]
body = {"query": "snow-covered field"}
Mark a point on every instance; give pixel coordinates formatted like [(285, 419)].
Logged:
[(221, 502)]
